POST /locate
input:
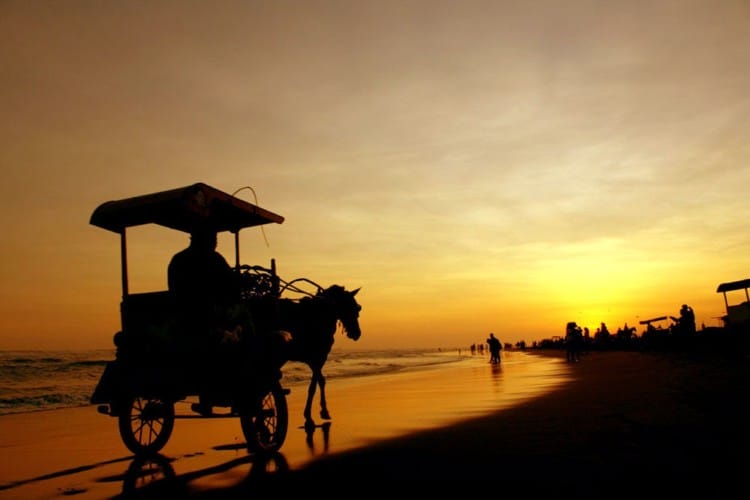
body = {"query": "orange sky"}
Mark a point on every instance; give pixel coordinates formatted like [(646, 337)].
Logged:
[(474, 166)]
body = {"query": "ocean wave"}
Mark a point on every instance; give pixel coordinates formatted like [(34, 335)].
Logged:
[(32, 381), (93, 362)]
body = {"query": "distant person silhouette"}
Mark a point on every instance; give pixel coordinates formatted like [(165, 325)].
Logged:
[(687, 320), (573, 340), (495, 346)]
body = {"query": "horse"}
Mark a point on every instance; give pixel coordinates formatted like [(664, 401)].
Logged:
[(312, 322)]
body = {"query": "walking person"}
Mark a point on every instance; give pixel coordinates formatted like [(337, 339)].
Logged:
[(495, 346)]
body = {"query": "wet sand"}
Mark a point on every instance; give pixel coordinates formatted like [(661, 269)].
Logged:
[(628, 421), (628, 424)]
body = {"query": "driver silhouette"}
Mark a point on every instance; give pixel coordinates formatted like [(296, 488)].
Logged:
[(206, 289)]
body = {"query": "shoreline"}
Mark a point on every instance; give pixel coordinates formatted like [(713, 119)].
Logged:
[(642, 421), (77, 450), (626, 418)]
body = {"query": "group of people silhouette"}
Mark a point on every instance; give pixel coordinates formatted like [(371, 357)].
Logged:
[(686, 321), (495, 346), (577, 339), (573, 342)]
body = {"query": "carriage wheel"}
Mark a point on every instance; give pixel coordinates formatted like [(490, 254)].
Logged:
[(265, 426), (146, 424)]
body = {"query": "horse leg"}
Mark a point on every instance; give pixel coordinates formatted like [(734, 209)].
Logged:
[(323, 406), (308, 404), (317, 380)]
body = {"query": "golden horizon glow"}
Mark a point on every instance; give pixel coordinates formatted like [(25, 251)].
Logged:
[(472, 166)]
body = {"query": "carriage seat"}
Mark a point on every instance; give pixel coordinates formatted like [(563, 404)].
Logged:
[(148, 323), (149, 314)]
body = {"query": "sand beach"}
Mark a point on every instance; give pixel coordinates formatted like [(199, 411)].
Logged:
[(627, 422), (615, 422)]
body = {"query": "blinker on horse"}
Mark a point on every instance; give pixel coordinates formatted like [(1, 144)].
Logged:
[(312, 322)]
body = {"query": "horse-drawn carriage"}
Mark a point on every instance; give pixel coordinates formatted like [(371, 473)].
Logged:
[(155, 367)]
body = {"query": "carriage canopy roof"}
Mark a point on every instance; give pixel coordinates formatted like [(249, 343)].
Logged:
[(183, 209), (733, 285)]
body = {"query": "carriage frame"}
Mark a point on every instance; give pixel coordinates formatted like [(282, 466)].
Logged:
[(151, 372)]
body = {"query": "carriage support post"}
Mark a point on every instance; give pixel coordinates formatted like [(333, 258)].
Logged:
[(236, 249), (124, 262), (275, 282), (275, 290)]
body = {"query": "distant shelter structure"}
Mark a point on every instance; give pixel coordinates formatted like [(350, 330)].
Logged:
[(738, 315)]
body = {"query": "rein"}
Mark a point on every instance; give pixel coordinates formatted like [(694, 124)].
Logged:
[(289, 285), (266, 277), (292, 287)]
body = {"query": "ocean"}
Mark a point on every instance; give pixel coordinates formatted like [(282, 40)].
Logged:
[(46, 380)]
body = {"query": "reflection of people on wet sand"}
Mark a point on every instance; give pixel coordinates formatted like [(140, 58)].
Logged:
[(494, 345)]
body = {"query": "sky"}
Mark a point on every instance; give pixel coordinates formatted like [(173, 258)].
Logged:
[(473, 166)]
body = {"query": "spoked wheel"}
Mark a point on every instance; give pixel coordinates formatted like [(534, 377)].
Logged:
[(265, 424), (146, 424)]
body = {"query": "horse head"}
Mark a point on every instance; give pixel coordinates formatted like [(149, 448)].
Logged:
[(346, 307)]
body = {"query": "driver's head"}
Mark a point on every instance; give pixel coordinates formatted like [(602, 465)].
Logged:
[(203, 238)]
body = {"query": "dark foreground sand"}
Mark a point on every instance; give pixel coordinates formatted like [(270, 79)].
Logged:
[(622, 424), (629, 424)]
